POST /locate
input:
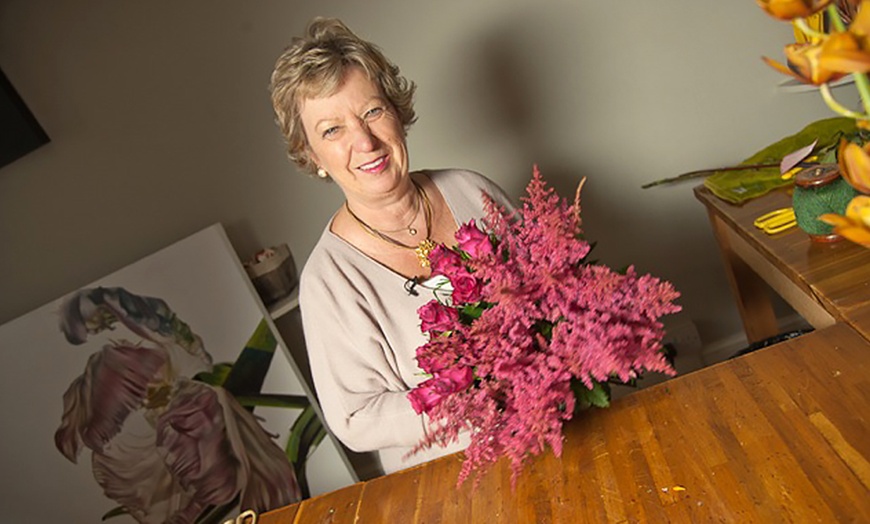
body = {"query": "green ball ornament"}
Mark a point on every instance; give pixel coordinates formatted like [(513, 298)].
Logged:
[(820, 190)]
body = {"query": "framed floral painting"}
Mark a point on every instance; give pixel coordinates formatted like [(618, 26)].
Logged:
[(158, 393)]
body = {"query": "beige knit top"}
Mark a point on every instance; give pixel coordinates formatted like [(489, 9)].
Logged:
[(362, 330)]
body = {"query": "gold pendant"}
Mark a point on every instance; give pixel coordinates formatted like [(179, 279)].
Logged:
[(423, 250)]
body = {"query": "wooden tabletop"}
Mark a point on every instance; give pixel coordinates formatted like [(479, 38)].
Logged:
[(778, 435), (826, 283)]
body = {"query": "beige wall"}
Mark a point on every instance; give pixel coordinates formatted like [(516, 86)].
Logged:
[(161, 124)]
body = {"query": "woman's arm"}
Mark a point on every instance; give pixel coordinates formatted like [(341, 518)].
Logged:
[(356, 373)]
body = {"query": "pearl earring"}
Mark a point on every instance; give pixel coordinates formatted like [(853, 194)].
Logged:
[(322, 172)]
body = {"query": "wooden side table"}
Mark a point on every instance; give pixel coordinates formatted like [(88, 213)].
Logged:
[(824, 283)]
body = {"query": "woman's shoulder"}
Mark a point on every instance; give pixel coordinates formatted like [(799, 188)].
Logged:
[(335, 268), (323, 261), (455, 175), (460, 184)]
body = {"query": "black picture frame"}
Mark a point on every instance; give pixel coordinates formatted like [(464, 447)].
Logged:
[(20, 132)]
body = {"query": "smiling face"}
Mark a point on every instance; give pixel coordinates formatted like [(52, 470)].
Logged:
[(356, 136)]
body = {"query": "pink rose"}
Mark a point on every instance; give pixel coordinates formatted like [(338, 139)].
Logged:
[(431, 392), (445, 261), (423, 398), (436, 317), (473, 241), (460, 377), (466, 289), (429, 365)]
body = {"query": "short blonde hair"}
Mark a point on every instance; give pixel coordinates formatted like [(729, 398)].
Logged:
[(315, 65)]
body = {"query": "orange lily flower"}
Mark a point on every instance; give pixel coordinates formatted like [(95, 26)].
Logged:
[(855, 226), (854, 161), (849, 52), (791, 9), (804, 62)]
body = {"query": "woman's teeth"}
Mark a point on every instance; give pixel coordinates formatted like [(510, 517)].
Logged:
[(373, 165)]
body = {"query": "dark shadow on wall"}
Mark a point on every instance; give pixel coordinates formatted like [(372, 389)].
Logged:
[(515, 70), (513, 98)]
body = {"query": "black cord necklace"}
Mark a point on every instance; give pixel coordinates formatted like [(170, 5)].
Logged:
[(424, 247)]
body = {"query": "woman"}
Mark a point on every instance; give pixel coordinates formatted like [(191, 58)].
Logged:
[(345, 110)]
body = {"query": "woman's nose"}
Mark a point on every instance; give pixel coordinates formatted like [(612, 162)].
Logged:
[(363, 138)]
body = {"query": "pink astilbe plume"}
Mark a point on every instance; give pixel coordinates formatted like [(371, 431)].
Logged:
[(530, 324)]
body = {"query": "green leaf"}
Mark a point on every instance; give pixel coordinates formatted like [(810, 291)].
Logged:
[(306, 434), (296, 441), (262, 338), (217, 376), (471, 312), (274, 401), (737, 186), (249, 371), (545, 329), (598, 396), (829, 157)]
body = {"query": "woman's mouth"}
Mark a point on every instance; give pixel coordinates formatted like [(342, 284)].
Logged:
[(375, 166)]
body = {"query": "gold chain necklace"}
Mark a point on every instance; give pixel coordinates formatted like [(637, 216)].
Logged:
[(410, 227), (423, 248)]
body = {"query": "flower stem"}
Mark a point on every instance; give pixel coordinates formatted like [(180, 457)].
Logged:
[(863, 85), (861, 80), (801, 23), (834, 17), (836, 106)]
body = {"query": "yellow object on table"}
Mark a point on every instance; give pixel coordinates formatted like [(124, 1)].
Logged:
[(246, 517), (776, 221)]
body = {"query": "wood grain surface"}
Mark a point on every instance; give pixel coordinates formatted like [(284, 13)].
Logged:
[(778, 435)]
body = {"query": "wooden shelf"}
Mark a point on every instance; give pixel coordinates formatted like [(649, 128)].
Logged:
[(285, 305)]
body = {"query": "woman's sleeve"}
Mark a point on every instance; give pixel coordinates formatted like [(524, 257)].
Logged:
[(464, 189), (359, 388)]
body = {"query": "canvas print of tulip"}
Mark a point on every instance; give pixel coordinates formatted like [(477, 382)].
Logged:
[(168, 439), (156, 394)]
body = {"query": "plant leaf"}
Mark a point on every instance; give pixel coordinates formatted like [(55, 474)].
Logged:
[(274, 401), (598, 396)]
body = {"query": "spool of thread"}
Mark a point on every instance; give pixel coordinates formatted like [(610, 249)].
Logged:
[(817, 191)]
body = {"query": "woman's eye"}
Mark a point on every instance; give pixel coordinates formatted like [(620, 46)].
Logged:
[(330, 132), (373, 113)]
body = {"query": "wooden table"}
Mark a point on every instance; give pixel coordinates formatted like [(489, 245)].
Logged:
[(778, 435), (824, 283)]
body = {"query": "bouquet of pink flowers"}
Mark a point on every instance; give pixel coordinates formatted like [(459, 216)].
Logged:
[(531, 331)]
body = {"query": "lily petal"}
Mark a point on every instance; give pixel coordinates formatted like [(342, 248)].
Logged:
[(854, 161), (791, 9), (846, 61), (858, 210), (860, 25), (855, 226), (804, 64), (857, 235)]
